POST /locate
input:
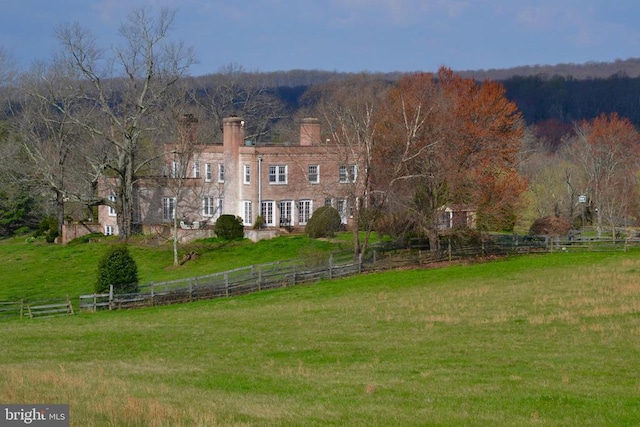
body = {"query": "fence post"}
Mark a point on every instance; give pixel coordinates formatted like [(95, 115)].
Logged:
[(70, 307), (259, 277), (331, 266), (359, 263), (110, 297), (226, 284), (153, 294), (191, 290)]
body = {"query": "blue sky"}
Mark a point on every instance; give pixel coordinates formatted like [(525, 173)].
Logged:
[(350, 35)]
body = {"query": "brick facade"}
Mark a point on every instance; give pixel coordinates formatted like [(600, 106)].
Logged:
[(284, 183)]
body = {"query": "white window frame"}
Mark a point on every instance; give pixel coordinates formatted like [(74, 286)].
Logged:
[(196, 169), (286, 215), (219, 205), (247, 211), (267, 211), (112, 210), (168, 208), (313, 176), (305, 210), (208, 206), (348, 174), (207, 172), (341, 206), (108, 230), (246, 174), (175, 169), (278, 174), (220, 172)]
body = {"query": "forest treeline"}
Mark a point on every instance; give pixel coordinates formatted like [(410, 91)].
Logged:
[(564, 93)]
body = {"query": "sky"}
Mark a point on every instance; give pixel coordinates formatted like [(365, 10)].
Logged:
[(348, 35)]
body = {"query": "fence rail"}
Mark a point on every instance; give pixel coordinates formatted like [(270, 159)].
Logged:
[(286, 273), (50, 308)]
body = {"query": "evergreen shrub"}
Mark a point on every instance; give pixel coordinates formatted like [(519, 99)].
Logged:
[(118, 268), (229, 227), (324, 222)]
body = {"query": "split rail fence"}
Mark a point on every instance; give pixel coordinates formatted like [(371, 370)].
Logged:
[(287, 273)]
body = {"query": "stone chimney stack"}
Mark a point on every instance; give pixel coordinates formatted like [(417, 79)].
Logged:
[(232, 132), (188, 128), (309, 131)]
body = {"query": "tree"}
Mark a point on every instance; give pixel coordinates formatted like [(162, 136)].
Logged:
[(117, 268), (50, 137), (233, 91), (607, 150), (126, 89), (450, 140), (349, 111)]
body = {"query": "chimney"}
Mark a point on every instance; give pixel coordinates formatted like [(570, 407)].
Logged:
[(309, 131), (233, 131), (188, 128)]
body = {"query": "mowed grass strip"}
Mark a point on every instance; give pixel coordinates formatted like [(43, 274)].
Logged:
[(546, 340), (39, 271)]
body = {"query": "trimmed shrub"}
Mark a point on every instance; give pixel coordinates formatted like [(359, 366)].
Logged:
[(324, 222), (119, 269), (551, 226), (48, 228), (229, 227)]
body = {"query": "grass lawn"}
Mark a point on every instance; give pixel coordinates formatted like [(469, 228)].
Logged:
[(37, 271), (549, 340)]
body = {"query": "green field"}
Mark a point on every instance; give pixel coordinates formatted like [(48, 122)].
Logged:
[(549, 340), (37, 271)]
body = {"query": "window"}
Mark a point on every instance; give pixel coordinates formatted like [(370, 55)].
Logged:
[(286, 218), (313, 174), (219, 207), (341, 206), (304, 211), (207, 172), (108, 230), (196, 169), (277, 174), (208, 206), (168, 208), (328, 202), (112, 207), (247, 208), (267, 213), (247, 174), (220, 172), (348, 173), (175, 169)]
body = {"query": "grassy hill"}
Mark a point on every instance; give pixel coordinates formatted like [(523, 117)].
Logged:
[(35, 271), (534, 340)]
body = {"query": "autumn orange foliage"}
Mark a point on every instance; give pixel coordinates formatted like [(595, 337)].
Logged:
[(455, 141)]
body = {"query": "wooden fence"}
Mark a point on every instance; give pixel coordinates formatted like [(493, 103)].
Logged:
[(235, 282), (50, 308), (11, 309), (280, 274)]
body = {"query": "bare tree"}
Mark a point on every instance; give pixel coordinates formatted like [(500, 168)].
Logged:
[(49, 136), (349, 112), (126, 86), (606, 150), (233, 91)]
